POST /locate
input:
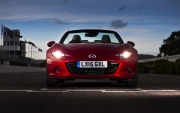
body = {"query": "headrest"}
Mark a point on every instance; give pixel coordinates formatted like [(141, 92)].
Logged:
[(77, 38), (106, 39)]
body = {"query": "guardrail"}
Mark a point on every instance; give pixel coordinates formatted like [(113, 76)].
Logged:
[(170, 58)]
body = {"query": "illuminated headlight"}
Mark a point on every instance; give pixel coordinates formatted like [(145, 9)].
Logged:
[(126, 54), (58, 54)]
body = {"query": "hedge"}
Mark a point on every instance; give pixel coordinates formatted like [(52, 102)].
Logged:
[(142, 68), (161, 67)]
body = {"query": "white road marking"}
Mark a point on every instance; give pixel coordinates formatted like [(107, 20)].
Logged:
[(121, 91), (45, 91), (15, 90), (28, 91), (137, 90), (161, 90), (94, 90)]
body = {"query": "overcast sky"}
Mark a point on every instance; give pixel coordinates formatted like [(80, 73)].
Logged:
[(145, 22)]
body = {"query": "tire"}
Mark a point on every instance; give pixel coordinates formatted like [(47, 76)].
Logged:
[(50, 82), (134, 81)]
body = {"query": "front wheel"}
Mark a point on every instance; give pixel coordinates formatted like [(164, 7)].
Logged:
[(134, 81), (50, 82)]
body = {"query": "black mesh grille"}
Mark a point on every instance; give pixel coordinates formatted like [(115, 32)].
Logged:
[(111, 68)]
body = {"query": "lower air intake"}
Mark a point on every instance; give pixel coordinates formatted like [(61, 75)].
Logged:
[(111, 68)]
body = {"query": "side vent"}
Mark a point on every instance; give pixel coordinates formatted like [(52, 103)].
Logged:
[(129, 69), (54, 69)]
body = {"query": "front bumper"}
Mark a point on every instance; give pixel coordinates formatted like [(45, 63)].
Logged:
[(69, 70)]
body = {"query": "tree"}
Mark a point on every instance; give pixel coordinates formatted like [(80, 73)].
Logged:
[(171, 45), (159, 55)]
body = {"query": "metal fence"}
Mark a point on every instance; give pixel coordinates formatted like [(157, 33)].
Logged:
[(170, 58), (6, 59)]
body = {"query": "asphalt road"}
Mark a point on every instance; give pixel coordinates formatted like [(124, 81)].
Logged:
[(27, 93)]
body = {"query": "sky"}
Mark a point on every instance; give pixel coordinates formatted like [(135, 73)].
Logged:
[(145, 22)]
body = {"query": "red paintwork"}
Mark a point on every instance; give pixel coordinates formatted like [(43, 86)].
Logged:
[(80, 51)]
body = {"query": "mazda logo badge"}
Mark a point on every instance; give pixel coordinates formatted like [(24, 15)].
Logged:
[(92, 56)]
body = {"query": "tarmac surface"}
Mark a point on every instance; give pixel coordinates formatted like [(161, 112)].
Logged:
[(28, 93)]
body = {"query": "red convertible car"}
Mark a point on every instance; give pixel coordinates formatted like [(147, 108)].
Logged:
[(91, 53)]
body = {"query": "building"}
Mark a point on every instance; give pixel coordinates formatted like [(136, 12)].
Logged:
[(11, 43), (13, 50)]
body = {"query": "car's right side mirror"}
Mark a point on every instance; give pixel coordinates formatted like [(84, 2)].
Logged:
[(131, 43), (49, 44)]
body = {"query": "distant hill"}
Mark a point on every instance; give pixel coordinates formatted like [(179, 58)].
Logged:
[(144, 56)]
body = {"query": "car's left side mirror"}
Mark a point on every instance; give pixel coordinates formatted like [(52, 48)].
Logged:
[(49, 44), (131, 43)]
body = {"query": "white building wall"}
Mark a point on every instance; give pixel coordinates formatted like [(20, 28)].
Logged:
[(10, 42)]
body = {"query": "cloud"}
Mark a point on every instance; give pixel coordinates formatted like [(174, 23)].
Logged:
[(71, 11), (146, 41), (118, 24), (57, 21), (121, 8)]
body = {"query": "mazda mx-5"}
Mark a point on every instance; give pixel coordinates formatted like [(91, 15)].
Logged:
[(91, 54)]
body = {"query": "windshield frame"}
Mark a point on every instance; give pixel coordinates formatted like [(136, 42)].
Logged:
[(91, 30)]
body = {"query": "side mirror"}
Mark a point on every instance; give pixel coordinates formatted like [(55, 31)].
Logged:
[(49, 44), (131, 43)]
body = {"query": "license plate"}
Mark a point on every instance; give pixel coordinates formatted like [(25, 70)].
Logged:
[(92, 64)]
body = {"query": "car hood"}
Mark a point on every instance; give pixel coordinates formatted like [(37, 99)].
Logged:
[(101, 50)]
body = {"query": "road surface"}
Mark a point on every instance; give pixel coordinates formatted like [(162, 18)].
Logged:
[(28, 93)]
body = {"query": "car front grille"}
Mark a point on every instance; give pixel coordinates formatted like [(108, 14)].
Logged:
[(111, 68)]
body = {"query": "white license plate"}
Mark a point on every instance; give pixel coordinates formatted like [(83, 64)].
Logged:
[(92, 64)]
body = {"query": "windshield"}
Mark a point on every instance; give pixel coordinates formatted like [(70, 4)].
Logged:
[(91, 37)]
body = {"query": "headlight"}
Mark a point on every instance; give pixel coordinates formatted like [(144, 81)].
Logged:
[(57, 54), (126, 54)]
